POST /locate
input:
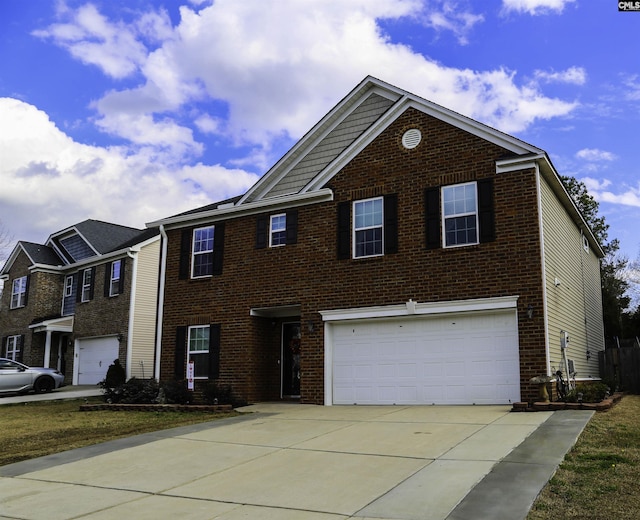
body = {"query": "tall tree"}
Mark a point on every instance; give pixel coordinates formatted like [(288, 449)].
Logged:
[(615, 302)]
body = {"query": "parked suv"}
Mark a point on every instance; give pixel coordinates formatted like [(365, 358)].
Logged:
[(16, 377)]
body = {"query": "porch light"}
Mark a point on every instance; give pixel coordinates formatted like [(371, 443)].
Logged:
[(310, 325), (530, 311)]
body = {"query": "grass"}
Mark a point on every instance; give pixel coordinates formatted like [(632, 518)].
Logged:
[(41, 428), (598, 479)]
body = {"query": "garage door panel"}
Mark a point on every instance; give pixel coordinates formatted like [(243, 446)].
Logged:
[(462, 359), (94, 357)]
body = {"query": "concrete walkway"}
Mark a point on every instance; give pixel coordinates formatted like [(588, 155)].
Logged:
[(302, 462)]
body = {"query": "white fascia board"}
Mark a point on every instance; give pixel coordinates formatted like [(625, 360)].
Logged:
[(249, 208), (412, 308)]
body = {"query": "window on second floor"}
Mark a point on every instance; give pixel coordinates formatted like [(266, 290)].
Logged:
[(368, 218), (202, 253), (115, 278), (19, 289), (87, 285), (68, 286), (460, 214), (278, 230)]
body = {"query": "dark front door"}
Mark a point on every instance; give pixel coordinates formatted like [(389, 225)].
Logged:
[(291, 359)]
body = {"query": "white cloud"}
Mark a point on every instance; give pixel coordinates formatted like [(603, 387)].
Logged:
[(595, 155), (49, 181), (573, 75), (624, 194), (94, 40), (535, 7), (279, 70)]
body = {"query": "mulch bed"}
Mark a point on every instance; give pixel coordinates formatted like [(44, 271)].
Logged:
[(602, 406)]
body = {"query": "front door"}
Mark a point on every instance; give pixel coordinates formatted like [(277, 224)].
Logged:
[(291, 359)]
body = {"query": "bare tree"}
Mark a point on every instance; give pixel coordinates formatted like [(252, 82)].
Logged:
[(6, 239)]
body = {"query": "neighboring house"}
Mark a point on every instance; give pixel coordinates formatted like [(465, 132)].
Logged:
[(84, 298), (399, 253)]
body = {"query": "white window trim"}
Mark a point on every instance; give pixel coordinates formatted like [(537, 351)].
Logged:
[(354, 230), (194, 253), (197, 352), (86, 286), (113, 280), (271, 230), (68, 286), (11, 352), (456, 215), (21, 293)]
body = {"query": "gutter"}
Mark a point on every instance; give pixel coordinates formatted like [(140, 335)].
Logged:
[(160, 308)]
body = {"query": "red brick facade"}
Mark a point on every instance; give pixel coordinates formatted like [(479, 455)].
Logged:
[(309, 274)]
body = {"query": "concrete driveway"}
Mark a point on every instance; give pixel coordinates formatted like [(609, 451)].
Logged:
[(303, 462)]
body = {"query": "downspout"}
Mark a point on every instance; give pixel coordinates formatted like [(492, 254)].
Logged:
[(160, 310), (132, 311)]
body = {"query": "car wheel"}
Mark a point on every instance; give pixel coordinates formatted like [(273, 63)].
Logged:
[(44, 384)]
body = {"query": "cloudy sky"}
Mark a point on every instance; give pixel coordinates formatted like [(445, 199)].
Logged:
[(133, 110)]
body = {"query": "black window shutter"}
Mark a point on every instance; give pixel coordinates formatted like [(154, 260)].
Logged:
[(180, 355), (4, 352), (107, 278), (486, 216), (26, 290), (20, 356), (93, 282), (262, 230), (218, 248), (432, 217), (292, 226), (344, 230), (185, 254), (122, 271), (390, 224), (214, 351), (79, 282)]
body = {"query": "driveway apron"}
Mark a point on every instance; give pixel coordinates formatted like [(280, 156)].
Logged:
[(291, 461)]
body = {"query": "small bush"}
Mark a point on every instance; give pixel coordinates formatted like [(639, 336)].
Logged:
[(590, 393), (175, 392), (214, 393), (134, 391)]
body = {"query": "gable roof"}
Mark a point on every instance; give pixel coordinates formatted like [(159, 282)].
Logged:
[(371, 107)]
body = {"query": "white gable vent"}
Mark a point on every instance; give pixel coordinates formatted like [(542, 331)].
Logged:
[(411, 138)]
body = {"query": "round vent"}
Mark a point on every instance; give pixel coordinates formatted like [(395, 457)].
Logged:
[(411, 138)]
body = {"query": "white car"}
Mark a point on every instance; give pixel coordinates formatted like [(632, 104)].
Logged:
[(16, 377)]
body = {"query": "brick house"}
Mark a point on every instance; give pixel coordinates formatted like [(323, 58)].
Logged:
[(85, 297), (398, 253)]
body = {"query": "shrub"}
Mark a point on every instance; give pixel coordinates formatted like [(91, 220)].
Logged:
[(590, 393), (215, 393), (134, 391), (175, 392)]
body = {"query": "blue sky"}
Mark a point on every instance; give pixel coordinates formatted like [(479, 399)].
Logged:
[(133, 110)]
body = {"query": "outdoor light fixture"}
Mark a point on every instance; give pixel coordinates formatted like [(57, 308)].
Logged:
[(588, 355), (310, 325), (530, 311)]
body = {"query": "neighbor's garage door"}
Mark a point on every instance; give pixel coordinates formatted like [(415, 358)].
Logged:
[(468, 358), (94, 357)]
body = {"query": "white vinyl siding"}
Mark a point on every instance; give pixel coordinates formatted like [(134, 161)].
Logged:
[(572, 283), (144, 303)]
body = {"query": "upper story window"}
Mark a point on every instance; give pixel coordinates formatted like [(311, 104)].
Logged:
[(460, 214), (202, 253), (68, 286), (19, 292), (114, 278), (278, 230), (368, 218), (87, 285)]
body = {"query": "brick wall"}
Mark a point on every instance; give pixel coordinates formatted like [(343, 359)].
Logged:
[(308, 273)]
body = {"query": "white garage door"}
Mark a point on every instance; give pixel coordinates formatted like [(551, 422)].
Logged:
[(94, 357), (467, 358)]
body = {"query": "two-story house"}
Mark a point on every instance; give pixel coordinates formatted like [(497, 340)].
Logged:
[(85, 297), (399, 253)]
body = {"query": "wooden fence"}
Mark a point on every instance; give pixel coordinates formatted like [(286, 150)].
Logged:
[(621, 365)]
